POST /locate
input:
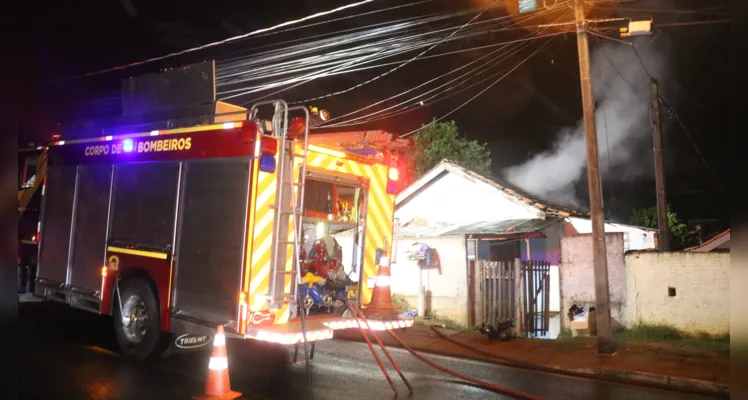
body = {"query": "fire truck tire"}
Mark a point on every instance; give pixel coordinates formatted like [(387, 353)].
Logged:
[(139, 335)]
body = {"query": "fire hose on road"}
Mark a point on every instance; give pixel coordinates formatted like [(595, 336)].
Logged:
[(483, 384)]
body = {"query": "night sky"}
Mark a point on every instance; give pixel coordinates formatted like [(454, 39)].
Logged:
[(519, 117)]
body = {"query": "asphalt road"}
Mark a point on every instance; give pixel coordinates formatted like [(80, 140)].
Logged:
[(71, 354)]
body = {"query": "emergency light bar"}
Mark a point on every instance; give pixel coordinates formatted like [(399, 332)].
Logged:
[(127, 145), (268, 148)]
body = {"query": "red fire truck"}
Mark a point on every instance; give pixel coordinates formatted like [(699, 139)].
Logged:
[(173, 232)]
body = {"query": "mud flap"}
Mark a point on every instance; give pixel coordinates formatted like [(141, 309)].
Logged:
[(188, 337)]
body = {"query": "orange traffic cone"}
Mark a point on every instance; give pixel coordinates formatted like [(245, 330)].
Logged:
[(217, 386), (381, 306)]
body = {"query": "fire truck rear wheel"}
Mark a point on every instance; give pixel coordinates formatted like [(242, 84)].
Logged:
[(136, 324)]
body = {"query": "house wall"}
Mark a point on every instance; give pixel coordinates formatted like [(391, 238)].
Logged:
[(446, 200), (445, 281), (578, 278), (702, 290), (554, 233)]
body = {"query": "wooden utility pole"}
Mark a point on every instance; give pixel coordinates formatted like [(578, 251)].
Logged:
[(605, 343), (662, 227)]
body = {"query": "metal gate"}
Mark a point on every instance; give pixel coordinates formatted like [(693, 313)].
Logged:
[(498, 297), (536, 287)]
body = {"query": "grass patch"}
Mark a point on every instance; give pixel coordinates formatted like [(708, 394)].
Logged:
[(660, 333), (565, 333)]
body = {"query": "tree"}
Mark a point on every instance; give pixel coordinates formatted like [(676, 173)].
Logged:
[(440, 141), (683, 234)]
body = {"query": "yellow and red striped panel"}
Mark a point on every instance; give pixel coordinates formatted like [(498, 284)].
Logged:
[(259, 249), (260, 241)]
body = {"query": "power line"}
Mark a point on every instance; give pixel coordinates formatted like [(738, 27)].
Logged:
[(700, 11), (436, 16), (410, 90), (404, 63), (231, 39), (414, 88), (347, 17), (399, 45), (310, 78), (242, 63), (712, 21), (487, 88), (479, 93), (405, 108), (674, 116)]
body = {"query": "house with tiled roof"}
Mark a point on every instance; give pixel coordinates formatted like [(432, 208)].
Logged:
[(459, 217)]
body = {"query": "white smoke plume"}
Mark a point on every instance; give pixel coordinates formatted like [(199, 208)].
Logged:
[(622, 97)]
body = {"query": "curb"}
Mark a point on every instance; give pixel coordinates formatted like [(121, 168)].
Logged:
[(674, 382), (666, 382)]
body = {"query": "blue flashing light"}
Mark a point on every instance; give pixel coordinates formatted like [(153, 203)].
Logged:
[(267, 163), (127, 145)]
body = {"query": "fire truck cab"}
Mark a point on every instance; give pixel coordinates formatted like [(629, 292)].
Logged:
[(173, 232)]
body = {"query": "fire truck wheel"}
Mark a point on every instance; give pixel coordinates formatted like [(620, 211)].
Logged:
[(137, 324)]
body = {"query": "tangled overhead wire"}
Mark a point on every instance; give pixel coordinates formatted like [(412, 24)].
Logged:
[(288, 67)]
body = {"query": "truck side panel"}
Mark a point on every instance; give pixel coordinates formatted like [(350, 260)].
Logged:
[(89, 239), (144, 208), (142, 221), (56, 225), (210, 252)]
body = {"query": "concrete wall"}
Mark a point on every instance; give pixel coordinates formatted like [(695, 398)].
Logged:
[(702, 290), (445, 281), (578, 278)]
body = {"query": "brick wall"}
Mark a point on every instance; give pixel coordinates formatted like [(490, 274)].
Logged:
[(577, 275), (690, 291)]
